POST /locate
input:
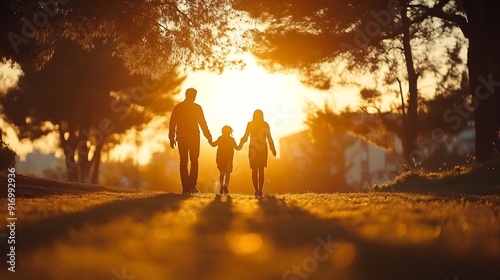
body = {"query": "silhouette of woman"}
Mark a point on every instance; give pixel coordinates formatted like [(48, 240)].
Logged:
[(260, 135)]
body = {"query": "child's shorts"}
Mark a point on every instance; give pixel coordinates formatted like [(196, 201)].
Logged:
[(225, 166)]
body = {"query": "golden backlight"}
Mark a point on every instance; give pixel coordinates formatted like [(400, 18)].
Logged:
[(228, 99), (232, 97)]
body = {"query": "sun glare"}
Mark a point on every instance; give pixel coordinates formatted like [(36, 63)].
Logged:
[(232, 97)]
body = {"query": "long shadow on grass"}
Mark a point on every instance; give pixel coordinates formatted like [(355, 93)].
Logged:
[(291, 227), (44, 232), (214, 222)]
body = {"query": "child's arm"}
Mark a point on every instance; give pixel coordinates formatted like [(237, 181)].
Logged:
[(245, 137), (238, 147), (214, 143)]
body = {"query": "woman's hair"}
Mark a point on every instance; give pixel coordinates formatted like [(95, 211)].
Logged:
[(258, 116), (227, 130)]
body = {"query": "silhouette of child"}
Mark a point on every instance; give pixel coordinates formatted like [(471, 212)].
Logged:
[(225, 152)]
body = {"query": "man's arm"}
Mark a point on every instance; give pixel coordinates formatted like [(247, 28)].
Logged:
[(171, 128), (203, 124), (214, 144)]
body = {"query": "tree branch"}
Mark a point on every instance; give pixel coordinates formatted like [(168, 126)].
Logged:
[(460, 21), (181, 13), (437, 11)]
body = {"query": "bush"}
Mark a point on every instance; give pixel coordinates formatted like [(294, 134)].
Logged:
[(478, 178), (7, 156)]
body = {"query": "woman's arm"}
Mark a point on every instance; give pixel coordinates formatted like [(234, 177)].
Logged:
[(244, 139), (270, 140), (236, 147)]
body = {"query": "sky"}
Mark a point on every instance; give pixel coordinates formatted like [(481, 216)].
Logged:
[(232, 97), (229, 98)]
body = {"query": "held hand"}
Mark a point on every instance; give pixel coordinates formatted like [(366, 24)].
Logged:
[(172, 144)]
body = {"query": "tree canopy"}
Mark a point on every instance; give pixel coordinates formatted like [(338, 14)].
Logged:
[(88, 98), (93, 69), (330, 42), (152, 37)]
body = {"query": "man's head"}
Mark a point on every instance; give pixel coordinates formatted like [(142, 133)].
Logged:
[(191, 94)]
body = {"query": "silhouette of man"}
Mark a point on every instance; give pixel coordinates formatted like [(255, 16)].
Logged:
[(185, 122)]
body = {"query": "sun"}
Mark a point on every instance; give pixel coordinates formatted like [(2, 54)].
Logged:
[(232, 97)]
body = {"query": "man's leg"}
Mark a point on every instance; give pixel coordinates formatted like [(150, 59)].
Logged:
[(194, 154), (221, 178), (183, 155)]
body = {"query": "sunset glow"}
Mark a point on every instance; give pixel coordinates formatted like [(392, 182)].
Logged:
[(232, 97), (220, 139)]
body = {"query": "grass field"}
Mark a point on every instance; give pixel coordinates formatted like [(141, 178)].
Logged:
[(74, 231)]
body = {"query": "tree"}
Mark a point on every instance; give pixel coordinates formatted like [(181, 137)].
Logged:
[(152, 37), (309, 36), (373, 123), (7, 155), (330, 139), (381, 126), (481, 28), (88, 98)]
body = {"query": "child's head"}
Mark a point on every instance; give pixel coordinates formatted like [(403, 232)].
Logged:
[(227, 130)]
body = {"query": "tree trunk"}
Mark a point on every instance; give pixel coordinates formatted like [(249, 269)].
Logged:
[(95, 164), (69, 154), (345, 141), (484, 74), (83, 158), (410, 131)]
